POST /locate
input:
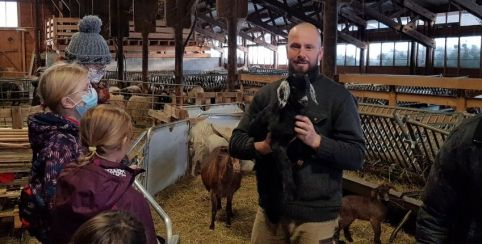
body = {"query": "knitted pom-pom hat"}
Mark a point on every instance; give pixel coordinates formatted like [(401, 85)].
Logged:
[(87, 46)]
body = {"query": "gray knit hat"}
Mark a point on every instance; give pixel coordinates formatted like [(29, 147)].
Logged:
[(87, 46)]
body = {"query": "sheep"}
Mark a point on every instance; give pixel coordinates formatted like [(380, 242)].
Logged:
[(198, 144), (370, 208), (279, 119), (221, 175), (11, 93)]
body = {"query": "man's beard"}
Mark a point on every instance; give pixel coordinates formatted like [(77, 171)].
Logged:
[(314, 68)]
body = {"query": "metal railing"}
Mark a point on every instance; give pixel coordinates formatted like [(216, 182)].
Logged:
[(170, 237)]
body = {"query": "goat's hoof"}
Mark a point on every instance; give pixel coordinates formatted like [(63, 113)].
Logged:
[(211, 227), (349, 239)]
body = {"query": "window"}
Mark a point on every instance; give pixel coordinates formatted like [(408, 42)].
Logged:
[(260, 55), (352, 54), (440, 18), (439, 53), (340, 54), (401, 53), (468, 19), (453, 17), (387, 54), (452, 51), (282, 56), (422, 54), (470, 52), (375, 50), (372, 24), (8, 14)]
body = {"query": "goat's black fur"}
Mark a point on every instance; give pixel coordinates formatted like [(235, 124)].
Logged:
[(280, 121)]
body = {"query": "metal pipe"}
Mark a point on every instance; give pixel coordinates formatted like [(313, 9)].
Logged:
[(158, 209)]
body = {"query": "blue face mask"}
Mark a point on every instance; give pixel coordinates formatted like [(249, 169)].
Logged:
[(90, 101)]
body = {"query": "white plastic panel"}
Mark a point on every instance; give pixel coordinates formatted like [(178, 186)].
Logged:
[(166, 155)]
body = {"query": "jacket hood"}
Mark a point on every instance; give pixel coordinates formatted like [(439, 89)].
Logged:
[(87, 190), (42, 127)]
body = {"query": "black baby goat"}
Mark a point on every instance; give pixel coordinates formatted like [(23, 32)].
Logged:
[(278, 118)]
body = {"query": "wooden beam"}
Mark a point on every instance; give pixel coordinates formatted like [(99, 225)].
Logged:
[(242, 34), (415, 7), (330, 20), (406, 29), (353, 17), (297, 16), (261, 78), (255, 20), (470, 6), (360, 44), (414, 80), (210, 34)]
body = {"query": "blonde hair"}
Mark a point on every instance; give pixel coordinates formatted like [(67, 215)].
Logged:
[(58, 81), (111, 227), (105, 128)]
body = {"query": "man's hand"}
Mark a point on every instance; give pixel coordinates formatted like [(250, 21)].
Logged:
[(264, 147), (305, 131)]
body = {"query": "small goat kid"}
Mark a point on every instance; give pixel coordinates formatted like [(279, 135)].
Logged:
[(371, 208), (279, 119), (221, 176)]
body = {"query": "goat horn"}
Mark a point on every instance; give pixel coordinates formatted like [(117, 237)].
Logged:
[(283, 92), (313, 94)]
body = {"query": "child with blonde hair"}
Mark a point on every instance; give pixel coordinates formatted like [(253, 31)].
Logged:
[(110, 227), (99, 182), (66, 94)]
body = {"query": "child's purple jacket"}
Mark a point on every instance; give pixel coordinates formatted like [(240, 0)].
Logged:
[(85, 191)]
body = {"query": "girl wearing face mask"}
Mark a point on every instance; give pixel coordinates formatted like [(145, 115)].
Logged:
[(66, 95)]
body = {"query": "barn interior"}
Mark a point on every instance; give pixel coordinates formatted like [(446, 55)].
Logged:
[(187, 70)]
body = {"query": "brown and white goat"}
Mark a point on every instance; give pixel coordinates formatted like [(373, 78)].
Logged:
[(371, 208), (221, 176)]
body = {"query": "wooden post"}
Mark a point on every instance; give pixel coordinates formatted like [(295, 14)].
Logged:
[(120, 44), (429, 50), (179, 50), (330, 20), (246, 63), (413, 58), (38, 34), (17, 122), (232, 49), (362, 35), (145, 58), (232, 10), (392, 101), (24, 61), (275, 53)]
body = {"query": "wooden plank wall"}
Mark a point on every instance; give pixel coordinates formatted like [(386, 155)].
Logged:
[(18, 44)]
